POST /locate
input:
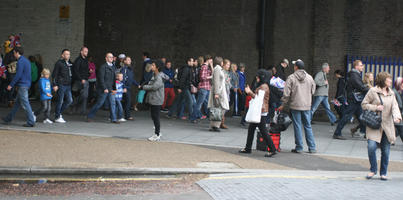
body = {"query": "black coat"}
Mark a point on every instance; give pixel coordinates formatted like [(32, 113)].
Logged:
[(185, 77), (341, 88), (106, 78), (80, 69), (354, 84), (61, 74), (280, 72)]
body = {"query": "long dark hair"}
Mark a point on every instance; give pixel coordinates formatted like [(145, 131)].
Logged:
[(264, 76)]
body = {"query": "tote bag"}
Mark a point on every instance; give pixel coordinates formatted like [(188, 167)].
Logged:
[(255, 108), (140, 96)]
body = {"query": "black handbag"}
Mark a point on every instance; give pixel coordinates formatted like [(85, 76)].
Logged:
[(372, 119)]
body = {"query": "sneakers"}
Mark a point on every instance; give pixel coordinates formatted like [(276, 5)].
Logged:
[(47, 121), (33, 115), (154, 138), (60, 120), (122, 120)]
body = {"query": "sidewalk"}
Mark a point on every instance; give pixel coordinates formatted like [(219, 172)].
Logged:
[(181, 131)]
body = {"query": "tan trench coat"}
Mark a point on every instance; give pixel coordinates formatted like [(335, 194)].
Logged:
[(218, 87), (390, 112)]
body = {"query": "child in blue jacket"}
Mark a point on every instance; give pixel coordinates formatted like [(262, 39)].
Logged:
[(46, 96)]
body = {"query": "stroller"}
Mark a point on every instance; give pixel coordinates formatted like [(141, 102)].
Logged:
[(281, 122)]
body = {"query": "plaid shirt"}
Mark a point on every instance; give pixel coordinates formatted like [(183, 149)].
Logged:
[(204, 73)]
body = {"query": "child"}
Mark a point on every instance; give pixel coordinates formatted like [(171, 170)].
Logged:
[(155, 97), (46, 96), (118, 96)]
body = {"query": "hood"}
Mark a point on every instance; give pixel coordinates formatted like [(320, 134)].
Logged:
[(300, 75)]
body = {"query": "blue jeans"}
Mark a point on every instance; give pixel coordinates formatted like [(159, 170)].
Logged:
[(324, 100), (385, 150), (64, 92), (102, 97), (202, 95), (181, 99), (302, 118), (21, 101), (352, 108), (119, 109)]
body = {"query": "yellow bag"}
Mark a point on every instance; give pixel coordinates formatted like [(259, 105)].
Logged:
[(12, 67)]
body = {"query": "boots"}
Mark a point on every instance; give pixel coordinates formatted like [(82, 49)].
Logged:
[(223, 126)]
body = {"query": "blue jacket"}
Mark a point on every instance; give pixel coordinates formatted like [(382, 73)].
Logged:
[(45, 88), (242, 80), (170, 73), (128, 77), (23, 76)]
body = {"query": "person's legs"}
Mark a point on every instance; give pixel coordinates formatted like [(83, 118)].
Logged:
[(48, 109), (155, 116), (173, 109), (60, 100), (265, 134), (326, 105), (348, 113), (315, 104), (204, 107), (119, 109), (112, 106), (241, 102), (24, 102), (127, 97), (100, 102), (166, 90), (358, 113), (385, 151), (251, 135), (309, 137), (83, 98), (372, 145), (189, 101), (171, 97), (69, 98), (14, 110), (296, 119), (198, 105), (41, 109)]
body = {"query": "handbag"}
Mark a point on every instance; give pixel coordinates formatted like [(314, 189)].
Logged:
[(255, 108), (215, 113), (193, 89), (371, 118), (140, 96)]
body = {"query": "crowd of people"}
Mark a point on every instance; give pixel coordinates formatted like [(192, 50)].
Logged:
[(203, 88)]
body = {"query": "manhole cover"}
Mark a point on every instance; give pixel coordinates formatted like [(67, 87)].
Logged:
[(217, 165)]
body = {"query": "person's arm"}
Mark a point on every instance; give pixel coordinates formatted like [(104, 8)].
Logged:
[(313, 87), (155, 85), (216, 80), (18, 75), (76, 68), (366, 104), (357, 84), (55, 74), (101, 77), (319, 79), (397, 115), (287, 91)]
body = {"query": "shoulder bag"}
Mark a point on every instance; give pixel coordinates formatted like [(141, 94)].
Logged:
[(371, 118)]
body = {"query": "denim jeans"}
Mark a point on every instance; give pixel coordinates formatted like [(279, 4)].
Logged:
[(201, 96), (64, 92), (181, 99), (102, 97), (352, 108), (324, 100), (80, 103), (302, 119), (119, 109), (21, 101), (46, 106), (385, 150)]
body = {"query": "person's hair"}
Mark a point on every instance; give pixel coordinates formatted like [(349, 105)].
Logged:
[(339, 72), (356, 63), (45, 71), (200, 60), (158, 64), (233, 65), (367, 80), (118, 74), (381, 78), (31, 58), (226, 61), (218, 61), (65, 50), (208, 56), (398, 84), (127, 58), (19, 50), (82, 48), (188, 59), (146, 54)]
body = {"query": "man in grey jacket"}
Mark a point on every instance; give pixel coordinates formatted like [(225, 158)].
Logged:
[(321, 95), (298, 92)]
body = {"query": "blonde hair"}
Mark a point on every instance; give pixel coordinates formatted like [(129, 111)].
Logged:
[(367, 80), (45, 71), (233, 65)]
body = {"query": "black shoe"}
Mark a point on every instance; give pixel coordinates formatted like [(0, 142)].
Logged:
[(296, 151), (115, 122), (312, 151), (270, 154), (339, 137), (28, 125), (214, 129), (245, 151), (331, 124)]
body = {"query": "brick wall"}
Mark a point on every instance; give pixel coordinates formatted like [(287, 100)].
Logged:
[(42, 30)]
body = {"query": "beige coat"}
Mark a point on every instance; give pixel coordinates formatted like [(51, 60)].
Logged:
[(218, 87), (390, 111), (298, 90)]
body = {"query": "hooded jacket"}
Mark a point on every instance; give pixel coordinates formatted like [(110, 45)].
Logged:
[(298, 90)]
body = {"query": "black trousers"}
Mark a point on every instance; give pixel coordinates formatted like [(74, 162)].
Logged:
[(127, 99), (46, 106), (241, 101), (263, 130), (155, 116)]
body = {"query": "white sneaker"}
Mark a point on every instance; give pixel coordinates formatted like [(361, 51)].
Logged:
[(47, 121), (155, 138), (33, 114), (122, 120), (60, 120)]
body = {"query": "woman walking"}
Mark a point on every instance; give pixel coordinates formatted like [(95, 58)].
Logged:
[(398, 90), (262, 84), (381, 99), (218, 95)]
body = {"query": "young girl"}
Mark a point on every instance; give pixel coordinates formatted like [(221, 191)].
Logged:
[(155, 97), (46, 96)]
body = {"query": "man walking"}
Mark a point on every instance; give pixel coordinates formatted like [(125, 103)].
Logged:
[(298, 92), (105, 86), (61, 77), (81, 74), (22, 80), (321, 95), (204, 88), (355, 90)]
